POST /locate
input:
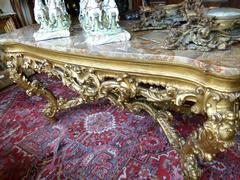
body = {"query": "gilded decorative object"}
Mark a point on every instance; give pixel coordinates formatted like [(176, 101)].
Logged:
[(167, 16), (210, 29), (217, 134), (7, 23), (160, 17), (99, 20)]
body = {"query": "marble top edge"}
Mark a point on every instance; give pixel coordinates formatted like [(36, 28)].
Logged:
[(138, 49)]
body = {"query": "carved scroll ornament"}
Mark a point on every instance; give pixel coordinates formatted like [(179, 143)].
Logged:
[(126, 91)]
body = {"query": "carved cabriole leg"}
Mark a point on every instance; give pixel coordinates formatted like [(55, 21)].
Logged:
[(126, 93), (14, 63), (216, 135)]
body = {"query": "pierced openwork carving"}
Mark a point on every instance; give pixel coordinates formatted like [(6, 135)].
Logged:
[(14, 65), (217, 134), (126, 91)]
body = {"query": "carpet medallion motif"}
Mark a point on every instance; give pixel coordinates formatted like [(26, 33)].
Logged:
[(93, 141), (100, 122)]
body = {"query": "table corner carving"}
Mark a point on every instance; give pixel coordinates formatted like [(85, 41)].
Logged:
[(128, 91), (217, 134)]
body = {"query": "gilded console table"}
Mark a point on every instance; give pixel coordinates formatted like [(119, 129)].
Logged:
[(138, 75)]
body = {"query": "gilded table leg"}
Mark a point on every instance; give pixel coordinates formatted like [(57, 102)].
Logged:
[(216, 135), (14, 64), (81, 80)]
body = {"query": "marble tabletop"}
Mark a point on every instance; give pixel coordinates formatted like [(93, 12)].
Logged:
[(144, 46)]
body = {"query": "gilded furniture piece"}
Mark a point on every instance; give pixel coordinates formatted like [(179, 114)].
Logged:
[(4, 80), (138, 75), (208, 3)]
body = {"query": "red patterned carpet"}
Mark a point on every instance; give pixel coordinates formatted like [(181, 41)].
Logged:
[(93, 141)]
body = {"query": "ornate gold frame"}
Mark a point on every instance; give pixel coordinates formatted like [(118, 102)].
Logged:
[(153, 86)]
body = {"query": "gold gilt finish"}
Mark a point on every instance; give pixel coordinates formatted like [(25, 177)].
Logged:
[(125, 86)]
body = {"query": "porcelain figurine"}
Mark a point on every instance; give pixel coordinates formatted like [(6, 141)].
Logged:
[(53, 19), (112, 13), (41, 14), (99, 20)]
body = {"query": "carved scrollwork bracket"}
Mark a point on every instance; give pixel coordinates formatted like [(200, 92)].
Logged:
[(217, 134)]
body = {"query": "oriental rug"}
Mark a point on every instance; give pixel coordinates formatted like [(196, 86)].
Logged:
[(93, 141)]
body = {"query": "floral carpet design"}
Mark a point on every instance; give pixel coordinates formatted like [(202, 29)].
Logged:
[(93, 141)]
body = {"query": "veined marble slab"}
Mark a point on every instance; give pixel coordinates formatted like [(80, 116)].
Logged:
[(144, 46)]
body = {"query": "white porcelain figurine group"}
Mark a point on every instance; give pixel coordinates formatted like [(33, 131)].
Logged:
[(92, 12), (98, 18)]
